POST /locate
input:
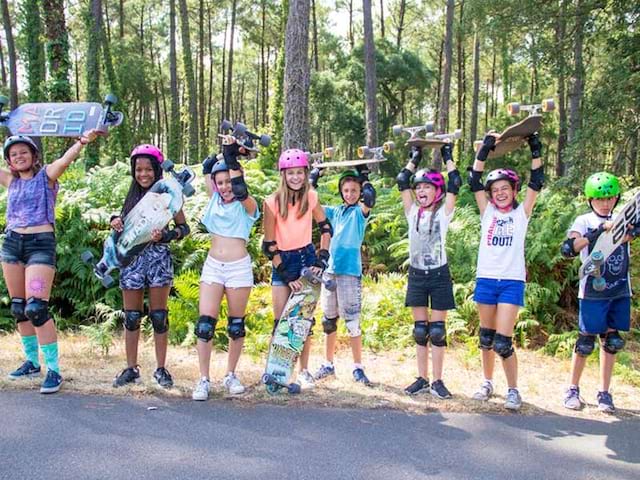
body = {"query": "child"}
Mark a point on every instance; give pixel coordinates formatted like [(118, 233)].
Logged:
[(229, 217), (606, 312), (429, 284), (152, 269), (501, 275), (345, 267), (288, 215), (29, 249)]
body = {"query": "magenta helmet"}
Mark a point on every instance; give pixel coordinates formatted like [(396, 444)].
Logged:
[(149, 151), (432, 177), (502, 174), (293, 158)]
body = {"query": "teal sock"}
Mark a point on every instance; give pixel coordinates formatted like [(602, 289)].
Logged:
[(30, 347), (50, 353)]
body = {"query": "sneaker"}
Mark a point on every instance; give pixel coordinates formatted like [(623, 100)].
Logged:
[(572, 399), (419, 386), (325, 370), (51, 383), (26, 370), (439, 390), (201, 392), (232, 384), (163, 377), (360, 376), (485, 392), (514, 400), (605, 402), (128, 375), (305, 379)]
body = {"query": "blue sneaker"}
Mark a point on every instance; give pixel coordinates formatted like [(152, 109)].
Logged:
[(325, 371), (605, 402), (51, 383), (359, 376), (26, 370)]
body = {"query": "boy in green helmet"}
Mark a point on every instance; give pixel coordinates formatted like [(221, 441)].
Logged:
[(601, 313)]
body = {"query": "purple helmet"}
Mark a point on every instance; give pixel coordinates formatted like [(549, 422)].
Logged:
[(148, 150), (502, 174), (431, 177), (293, 158)]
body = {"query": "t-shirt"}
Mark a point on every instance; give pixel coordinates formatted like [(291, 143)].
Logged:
[(615, 269), (31, 202), (228, 219), (348, 224), (427, 238), (501, 254), (293, 233)]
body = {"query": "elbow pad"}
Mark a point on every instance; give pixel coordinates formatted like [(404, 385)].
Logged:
[(454, 183), (404, 179), (368, 195), (325, 227), (270, 249), (475, 181), (537, 179), (566, 250)]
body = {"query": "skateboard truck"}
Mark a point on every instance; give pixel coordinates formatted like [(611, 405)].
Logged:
[(599, 283), (413, 132), (109, 117), (88, 258), (275, 384), (455, 135), (239, 133), (376, 153), (183, 177), (328, 152), (547, 105)]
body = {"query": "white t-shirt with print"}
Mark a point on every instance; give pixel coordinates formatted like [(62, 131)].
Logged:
[(427, 239)]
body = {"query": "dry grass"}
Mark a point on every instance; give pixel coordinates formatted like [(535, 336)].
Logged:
[(542, 380)]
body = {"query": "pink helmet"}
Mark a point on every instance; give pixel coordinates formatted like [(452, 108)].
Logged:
[(432, 177), (502, 174), (148, 150), (293, 158)]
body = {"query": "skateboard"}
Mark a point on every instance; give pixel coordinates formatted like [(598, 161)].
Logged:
[(516, 135), (432, 140), (318, 156), (291, 332), (367, 155), (60, 119), (154, 211), (609, 241), (428, 127), (238, 133)]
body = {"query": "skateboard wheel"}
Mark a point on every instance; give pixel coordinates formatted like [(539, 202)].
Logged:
[(331, 285), (167, 165), (429, 127), (188, 190), (597, 257), (363, 151), (388, 146), (108, 281), (294, 389), (266, 379), (329, 151), (110, 99), (457, 134), (265, 140), (548, 105), (87, 256), (599, 284), (226, 125), (513, 108), (239, 129), (397, 129)]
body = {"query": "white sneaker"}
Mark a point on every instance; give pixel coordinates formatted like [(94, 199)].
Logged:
[(513, 401), (485, 392), (201, 392), (305, 379), (232, 384)]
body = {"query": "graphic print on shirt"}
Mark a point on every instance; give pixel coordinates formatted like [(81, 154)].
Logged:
[(501, 232), (430, 251)]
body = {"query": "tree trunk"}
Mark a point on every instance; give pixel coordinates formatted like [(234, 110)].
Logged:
[(207, 132), (13, 71), (370, 77), (121, 19), (316, 61), (94, 27), (263, 66), (401, 14), (438, 86), (35, 62), (494, 101), (443, 110), (57, 51), (201, 107), (633, 154), (3, 69), (461, 90), (227, 103), (576, 90), (351, 39), (174, 144), (381, 18), (475, 95), (561, 26), (223, 87), (187, 61)]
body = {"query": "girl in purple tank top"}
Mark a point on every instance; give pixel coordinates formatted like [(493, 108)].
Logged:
[(29, 249)]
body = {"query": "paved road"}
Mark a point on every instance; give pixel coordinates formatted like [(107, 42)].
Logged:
[(88, 437)]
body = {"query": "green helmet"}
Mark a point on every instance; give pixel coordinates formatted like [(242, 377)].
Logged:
[(602, 185), (352, 174)]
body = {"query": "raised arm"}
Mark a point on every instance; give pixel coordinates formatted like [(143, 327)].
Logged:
[(207, 168), (537, 174), (454, 181), (6, 177), (58, 167), (475, 179), (404, 178)]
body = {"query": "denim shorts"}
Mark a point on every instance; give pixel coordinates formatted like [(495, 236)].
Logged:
[(430, 288), (294, 261), (29, 248), (597, 316), (491, 291)]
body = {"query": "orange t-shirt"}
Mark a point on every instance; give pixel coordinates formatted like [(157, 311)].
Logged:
[(293, 233)]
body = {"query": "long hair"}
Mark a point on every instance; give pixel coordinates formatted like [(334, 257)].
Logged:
[(136, 192), (285, 196)]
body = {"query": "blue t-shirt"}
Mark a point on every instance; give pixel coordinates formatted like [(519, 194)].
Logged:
[(348, 224), (228, 219)]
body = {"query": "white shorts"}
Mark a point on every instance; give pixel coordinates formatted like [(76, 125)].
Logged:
[(237, 274)]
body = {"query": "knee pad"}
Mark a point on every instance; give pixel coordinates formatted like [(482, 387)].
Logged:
[(329, 325), (585, 345), (612, 342), (421, 333), (132, 320), (438, 334), (503, 346), (159, 321), (205, 327), (17, 309), (37, 311), (235, 327), (353, 327), (487, 335)]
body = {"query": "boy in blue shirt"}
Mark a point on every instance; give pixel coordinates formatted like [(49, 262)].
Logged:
[(349, 221)]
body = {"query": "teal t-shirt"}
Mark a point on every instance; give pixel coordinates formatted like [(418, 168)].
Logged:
[(348, 224), (228, 219)]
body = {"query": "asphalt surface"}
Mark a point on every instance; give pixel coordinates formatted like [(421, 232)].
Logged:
[(66, 436)]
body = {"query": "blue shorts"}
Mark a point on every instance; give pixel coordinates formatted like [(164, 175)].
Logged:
[(491, 291), (29, 248), (597, 316), (294, 261)]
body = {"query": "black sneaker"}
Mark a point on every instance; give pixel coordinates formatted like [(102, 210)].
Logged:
[(163, 377), (419, 386), (26, 370), (605, 402), (361, 377), (128, 375), (438, 390), (51, 383)]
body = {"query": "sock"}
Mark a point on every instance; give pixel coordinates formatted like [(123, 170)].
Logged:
[(358, 365), (30, 347), (50, 353)]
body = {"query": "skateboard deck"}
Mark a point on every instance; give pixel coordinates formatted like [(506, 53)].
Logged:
[(347, 163), (291, 332), (434, 140), (154, 211), (367, 155), (60, 119), (609, 241)]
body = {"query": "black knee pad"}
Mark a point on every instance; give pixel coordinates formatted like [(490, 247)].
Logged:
[(313, 324), (421, 333), (235, 327), (487, 336), (612, 342), (159, 321), (17, 309), (329, 325), (132, 320), (503, 346), (585, 345), (438, 334), (37, 311), (205, 327)]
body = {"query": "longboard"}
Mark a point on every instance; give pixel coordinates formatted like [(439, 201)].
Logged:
[(367, 155), (434, 140)]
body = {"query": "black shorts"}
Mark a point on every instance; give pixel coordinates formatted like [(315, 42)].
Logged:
[(29, 248), (430, 288)]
